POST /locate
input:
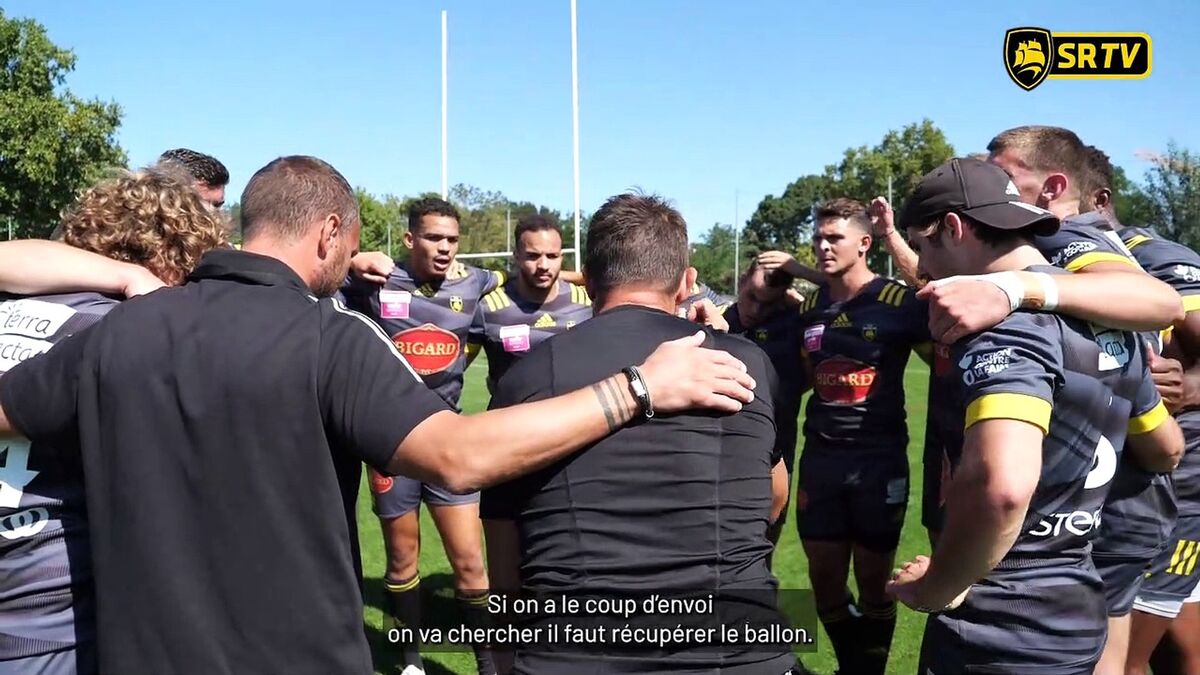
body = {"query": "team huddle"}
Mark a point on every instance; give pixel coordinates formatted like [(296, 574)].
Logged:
[(1061, 475)]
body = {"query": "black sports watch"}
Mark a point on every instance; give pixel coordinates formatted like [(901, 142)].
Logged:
[(641, 392)]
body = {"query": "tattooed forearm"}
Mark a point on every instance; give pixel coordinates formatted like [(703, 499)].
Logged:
[(615, 405)]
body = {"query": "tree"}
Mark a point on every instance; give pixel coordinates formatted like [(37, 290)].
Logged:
[(1134, 206), (712, 256), (52, 143), (1173, 189), (379, 218), (862, 173)]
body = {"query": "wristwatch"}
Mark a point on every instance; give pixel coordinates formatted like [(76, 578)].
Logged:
[(637, 385)]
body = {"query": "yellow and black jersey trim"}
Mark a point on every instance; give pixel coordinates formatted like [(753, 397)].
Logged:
[(1149, 420), (1136, 240), (1088, 259), (1183, 561), (809, 304), (579, 296), (1010, 406), (892, 294), (496, 300)]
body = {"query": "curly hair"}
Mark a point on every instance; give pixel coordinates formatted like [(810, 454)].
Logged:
[(204, 168), (153, 217)]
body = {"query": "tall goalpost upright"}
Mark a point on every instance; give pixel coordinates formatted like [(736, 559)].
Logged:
[(575, 250)]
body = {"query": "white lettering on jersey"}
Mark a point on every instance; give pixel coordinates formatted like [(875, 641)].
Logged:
[(14, 473), (980, 366), (1104, 465), (24, 523), (1187, 273), (1082, 523), (1071, 250), (33, 318)]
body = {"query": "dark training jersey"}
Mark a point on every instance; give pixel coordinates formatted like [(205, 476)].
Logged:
[(513, 325), (46, 601), (780, 336), (1139, 513), (857, 351), (431, 324), (1179, 267), (1086, 388), (675, 504), (942, 413)]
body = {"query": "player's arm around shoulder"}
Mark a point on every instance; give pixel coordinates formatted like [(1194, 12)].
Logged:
[(1154, 437)]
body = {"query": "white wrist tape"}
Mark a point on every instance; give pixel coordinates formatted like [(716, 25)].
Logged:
[(1005, 281), (1016, 287), (1049, 291)]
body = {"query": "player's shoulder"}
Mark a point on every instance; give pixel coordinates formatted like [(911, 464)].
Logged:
[(577, 294), (893, 292), (818, 298), (498, 299)]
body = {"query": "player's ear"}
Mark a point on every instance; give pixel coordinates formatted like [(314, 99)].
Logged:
[(408, 239), (1103, 198), (1054, 187), (685, 285), (864, 244), (331, 229), (954, 227)]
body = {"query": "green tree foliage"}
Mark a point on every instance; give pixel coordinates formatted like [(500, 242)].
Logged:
[(52, 143), (1134, 206), (785, 222), (1173, 190), (712, 256)]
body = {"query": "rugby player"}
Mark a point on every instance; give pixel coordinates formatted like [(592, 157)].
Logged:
[(763, 314), (672, 505), (697, 294), (1046, 402), (149, 218), (535, 303), (432, 310), (210, 174), (858, 331), (1161, 607)]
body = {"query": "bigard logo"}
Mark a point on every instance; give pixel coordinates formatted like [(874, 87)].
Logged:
[(1031, 55)]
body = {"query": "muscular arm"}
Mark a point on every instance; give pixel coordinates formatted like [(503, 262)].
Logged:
[(1159, 449), (1185, 347), (29, 266), (905, 258), (986, 503)]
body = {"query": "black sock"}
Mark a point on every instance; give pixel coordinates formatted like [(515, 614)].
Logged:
[(878, 622), (842, 626), (474, 608), (403, 611)]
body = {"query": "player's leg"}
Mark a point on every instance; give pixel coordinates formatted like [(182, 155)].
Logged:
[(1179, 652), (1122, 577), (1171, 581), (1112, 660), (878, 503), (397, 501), (457, 520), (823, 525)]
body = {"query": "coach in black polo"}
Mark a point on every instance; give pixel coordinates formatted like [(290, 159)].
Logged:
[(675, 504), (222, 426)]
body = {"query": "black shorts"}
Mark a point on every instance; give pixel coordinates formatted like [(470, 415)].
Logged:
[(856, 496), (1122, 576), (1174, 573)]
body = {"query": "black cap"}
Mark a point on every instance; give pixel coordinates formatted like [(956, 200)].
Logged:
[(976, 189)]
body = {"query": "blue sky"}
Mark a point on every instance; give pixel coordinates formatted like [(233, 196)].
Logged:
[(698, 100)]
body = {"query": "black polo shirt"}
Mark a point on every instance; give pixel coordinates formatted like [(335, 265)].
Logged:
[(222, 426), (676, 504)]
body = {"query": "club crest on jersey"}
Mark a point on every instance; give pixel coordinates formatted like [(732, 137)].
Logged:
[(427, 348), (1187, 273), (843, 321), (570, 325), (379, 482), (760, 335), (1113, 353), (456, 303), (844, 381), (812, 337), (869, 332)]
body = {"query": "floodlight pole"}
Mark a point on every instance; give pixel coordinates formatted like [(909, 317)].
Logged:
[(445, 171), (575, 121), (737, 240)]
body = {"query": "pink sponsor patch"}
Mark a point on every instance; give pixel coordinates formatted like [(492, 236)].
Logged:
[(394, 304), (812, 337), (515, 338)]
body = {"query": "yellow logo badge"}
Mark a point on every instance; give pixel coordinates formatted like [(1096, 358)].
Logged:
[(456, 303), (1033, 55)]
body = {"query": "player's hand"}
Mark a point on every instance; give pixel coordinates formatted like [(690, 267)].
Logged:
[(139, 281), (963, 307), (908, 586), (706, 313), (883, 220), (373, 266), (1168, 378), (776, 260), (793, 298), (682, 375)]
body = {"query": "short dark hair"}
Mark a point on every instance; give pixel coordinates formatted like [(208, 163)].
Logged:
[(635, 238), (1097, 171), (291, 193), (986, 234), (1044, 149), (775, 278), (204, 168), (844, 207), (535, 222), (430, 206)]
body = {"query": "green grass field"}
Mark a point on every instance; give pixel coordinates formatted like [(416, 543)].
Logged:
[(790, 565)]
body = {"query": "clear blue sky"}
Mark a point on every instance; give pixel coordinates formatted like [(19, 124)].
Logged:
[(694, 99)]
